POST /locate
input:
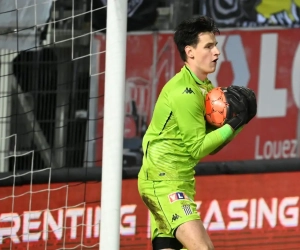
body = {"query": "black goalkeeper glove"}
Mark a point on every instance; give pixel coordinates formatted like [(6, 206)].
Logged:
[(251, 99), (238, 107)]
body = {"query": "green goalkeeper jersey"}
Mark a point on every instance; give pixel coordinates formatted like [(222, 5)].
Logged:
[(178, 136)]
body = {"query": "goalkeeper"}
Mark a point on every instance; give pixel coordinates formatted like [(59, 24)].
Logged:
[(178, 137)]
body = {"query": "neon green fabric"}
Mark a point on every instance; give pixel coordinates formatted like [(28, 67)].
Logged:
[(177, 137), (171, 204)]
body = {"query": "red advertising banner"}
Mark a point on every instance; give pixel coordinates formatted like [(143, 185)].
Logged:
[(266, 61), (239, 211)]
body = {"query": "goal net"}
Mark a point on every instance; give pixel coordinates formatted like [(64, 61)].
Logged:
[(51, 125)]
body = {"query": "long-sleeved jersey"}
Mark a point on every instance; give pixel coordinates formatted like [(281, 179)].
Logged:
[(178, 136)]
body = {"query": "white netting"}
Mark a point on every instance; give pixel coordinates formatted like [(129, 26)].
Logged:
[(43, 216)]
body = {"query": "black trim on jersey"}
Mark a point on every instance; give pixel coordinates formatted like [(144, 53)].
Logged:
[(166, 123), (191, 74), (147, 148)]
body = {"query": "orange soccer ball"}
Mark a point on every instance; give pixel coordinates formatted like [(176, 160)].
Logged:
[(216, 107)]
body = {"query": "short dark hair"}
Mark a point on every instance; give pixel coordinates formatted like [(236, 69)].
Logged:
[(187, 32)]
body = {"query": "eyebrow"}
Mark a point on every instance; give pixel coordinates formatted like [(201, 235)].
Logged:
[(211, 43)]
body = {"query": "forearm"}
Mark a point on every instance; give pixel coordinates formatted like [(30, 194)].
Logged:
[(199, 148), (227, 142)]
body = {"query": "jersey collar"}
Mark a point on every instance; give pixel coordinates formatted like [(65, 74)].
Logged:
[(197, 80)]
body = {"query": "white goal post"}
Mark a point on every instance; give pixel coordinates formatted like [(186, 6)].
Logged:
[(113, 128)]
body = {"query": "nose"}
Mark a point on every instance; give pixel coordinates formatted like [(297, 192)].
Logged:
[(216, 51)]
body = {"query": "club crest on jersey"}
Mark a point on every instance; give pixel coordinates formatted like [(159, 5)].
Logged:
[(177, 196)]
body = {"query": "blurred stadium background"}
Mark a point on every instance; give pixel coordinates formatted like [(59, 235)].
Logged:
[(52, 62)]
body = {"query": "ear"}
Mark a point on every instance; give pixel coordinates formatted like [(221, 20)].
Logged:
[(189, 51)]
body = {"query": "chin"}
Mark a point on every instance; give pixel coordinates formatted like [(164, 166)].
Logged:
[(212, 70)]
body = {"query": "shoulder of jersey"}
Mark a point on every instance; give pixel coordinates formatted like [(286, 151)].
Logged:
[(183, 86)]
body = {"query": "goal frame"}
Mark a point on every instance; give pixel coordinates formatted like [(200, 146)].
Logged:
[(113, 126)]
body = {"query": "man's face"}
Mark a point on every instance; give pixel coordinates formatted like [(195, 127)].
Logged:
[(205, 54)]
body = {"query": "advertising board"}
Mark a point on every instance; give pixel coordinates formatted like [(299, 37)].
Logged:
[(239, 212)]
